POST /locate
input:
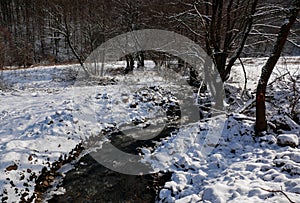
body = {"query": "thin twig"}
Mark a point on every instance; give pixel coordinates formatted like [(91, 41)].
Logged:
[(198, 94), (278, 78), (280, 191), (245, 76)]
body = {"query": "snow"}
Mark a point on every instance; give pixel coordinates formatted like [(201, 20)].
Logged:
[(236, 171), (240, 168), (288, 140), (37, 127), (44, 115)]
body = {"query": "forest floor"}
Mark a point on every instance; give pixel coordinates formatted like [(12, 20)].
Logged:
[(46, 114)]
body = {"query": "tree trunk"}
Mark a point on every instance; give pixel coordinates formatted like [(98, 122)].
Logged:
[(193, 81), (141, 59), (129, 63), (261, 122), (75, 53), (220, 61), (245, 33)]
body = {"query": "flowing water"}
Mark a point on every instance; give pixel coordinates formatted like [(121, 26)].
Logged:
[(89, 181)]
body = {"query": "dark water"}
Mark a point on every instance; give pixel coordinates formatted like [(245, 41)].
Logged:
[(92, 182)]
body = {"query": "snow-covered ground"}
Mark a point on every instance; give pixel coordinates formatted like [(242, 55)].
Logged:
[(37, 127), (44, 115), (241, 168)]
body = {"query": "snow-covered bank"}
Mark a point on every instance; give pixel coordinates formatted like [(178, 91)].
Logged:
[(43, 117), (45, 113), (37, 128), (241, 168)]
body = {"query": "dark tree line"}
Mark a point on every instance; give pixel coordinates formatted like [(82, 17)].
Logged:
[(68, 30), (57, 31)]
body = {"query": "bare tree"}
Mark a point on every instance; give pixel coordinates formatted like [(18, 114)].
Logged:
[(129, 18), (64, 26), (261, 123), (267, 22), (219, 26)]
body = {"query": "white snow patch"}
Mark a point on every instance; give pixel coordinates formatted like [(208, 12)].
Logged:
[(288, 140)]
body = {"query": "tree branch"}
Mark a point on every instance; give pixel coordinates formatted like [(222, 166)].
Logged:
[(278, 191), (245, 76)]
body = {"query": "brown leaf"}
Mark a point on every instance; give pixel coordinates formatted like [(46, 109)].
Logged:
[(12, 167)]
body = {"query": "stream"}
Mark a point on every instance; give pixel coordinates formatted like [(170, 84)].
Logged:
[(89, 181)]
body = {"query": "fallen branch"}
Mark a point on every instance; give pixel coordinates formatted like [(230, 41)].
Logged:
[(249, 104), (239, 117), (278, 191)]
